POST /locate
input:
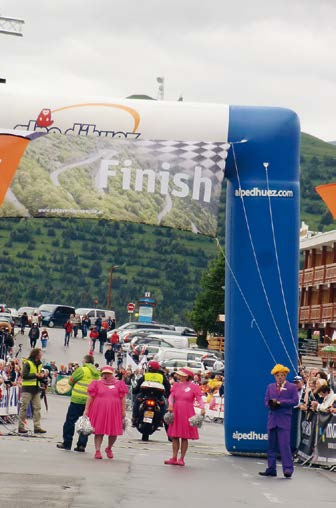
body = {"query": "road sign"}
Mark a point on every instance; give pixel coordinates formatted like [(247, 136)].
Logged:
[(130, 307)]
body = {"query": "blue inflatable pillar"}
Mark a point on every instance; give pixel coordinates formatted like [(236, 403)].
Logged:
[(261, 281)]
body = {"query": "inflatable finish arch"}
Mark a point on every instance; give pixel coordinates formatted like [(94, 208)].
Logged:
[(262, 221), (261, 280)]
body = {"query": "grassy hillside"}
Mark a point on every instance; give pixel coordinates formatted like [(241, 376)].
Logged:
[(68, 260), (318, 166)]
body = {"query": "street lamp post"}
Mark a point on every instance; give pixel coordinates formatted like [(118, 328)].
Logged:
[(113, 267), (161, 81)]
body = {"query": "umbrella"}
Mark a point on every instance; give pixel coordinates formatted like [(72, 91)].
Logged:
[(331, 348)]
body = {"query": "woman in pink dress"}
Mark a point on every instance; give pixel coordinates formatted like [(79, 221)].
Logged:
[(181, 404), (106, 408)]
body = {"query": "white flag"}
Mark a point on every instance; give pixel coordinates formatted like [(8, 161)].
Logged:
[(142, 362), (130, 363)]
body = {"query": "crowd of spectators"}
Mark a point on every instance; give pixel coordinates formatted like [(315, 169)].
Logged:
[(10, 374), (316, 390)]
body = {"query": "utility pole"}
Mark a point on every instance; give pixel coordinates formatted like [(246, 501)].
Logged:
[(10, 26), (113, 267), (161, 87)]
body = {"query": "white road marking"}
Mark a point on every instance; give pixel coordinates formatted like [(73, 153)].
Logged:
[(271, 498)]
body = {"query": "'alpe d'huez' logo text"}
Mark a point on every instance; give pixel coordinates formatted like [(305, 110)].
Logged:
[(45, 124), (252, 435)]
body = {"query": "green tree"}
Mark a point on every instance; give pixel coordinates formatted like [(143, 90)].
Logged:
[(210, 300)]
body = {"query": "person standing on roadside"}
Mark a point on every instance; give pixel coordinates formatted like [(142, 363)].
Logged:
[(106, 409), (98, 323), (85, 326), (76, 322), (68, 330), (79, 380), (32, 375), (181, 403), (280, 399), (44, 338), (102, 337), (109, 355), (24, 322), (114, 339), (33, 334), (94, 334)]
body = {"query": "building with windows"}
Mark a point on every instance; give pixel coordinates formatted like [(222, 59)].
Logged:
[(317, 282)]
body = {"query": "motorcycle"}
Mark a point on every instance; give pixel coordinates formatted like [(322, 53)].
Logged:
[(149, 417)]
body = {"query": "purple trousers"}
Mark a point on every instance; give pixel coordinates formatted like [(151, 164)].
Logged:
[(279, 441)]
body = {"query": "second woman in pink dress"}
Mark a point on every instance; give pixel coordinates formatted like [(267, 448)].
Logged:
[(106, 408), (181, 403)]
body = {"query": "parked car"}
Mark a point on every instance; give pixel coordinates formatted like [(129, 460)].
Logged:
[(177, 363), (145, 341), (94, 313), (185, 330), (29, 311), (177, 341), (183, 354), (3, 307), (13, 313), (137, 325), (6, 320), (150, 350), (55, 315)]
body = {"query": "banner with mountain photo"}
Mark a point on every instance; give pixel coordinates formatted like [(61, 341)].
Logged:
[(169, 183)]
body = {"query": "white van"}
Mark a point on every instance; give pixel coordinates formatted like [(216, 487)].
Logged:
[(94, 313), (184, 354)]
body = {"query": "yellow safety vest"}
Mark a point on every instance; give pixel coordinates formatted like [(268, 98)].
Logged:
[(155, 377), (33, 369), (79, 390)]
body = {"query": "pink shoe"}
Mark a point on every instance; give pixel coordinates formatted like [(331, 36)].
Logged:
[(98, 455), (171, 462), (180, 462), (109, 453)]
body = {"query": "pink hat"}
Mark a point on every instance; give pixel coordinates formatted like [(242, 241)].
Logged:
[(185, 372), (107, 369)]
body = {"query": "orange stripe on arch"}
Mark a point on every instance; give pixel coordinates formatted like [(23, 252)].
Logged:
[(11, 150), (131, 111), (328, 194)]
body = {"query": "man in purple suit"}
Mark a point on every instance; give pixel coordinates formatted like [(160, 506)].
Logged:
[(280, 398)]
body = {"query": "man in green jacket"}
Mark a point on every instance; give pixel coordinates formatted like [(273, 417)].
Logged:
[(79, 380)]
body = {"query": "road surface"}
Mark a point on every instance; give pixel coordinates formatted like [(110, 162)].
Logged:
[(34, 473)]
